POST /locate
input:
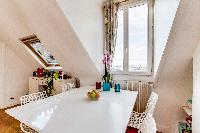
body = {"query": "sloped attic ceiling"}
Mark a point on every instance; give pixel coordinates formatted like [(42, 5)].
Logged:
[(175, 76), (12, 26), (47, 21), (86, 18)]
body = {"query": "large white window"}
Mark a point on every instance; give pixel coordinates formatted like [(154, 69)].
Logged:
[(119, 49), (133, 51)]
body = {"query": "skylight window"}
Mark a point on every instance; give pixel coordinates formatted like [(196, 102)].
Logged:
[(46, 55), (39, 52)]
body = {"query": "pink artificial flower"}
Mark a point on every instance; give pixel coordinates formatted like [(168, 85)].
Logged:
[(107, 59)]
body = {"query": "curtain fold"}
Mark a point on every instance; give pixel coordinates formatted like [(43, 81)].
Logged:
[(110, 25)]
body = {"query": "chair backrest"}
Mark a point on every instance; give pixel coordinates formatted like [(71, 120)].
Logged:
[(71, 85), (43, 94), (67, 87), (33, 97), (148, 125), (151, 103)]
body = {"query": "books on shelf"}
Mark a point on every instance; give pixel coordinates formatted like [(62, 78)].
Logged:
[(189, 122), (189, 103), (187, 110), (186, 126), (188, 107)]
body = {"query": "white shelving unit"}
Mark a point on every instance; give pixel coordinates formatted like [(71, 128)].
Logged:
[(36, 84), (187, 110)]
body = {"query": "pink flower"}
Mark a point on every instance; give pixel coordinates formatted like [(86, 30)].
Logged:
[(107, 59)]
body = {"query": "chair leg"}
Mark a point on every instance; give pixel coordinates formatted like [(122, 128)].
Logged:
[(26, 129), (22, 128)]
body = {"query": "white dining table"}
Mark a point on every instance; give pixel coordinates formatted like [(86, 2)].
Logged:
[(73, 112)]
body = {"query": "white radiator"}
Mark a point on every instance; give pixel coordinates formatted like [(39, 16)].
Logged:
[(144, 90)]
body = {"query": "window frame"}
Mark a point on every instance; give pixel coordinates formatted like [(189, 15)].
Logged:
[(28, 41), (125, 7)]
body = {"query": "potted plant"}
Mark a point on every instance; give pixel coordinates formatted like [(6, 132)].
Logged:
[(50, 76), (107, 61)]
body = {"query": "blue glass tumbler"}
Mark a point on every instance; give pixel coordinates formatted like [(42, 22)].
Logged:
[(117, 87)]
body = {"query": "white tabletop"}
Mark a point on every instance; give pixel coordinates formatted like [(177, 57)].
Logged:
[(72, 112)]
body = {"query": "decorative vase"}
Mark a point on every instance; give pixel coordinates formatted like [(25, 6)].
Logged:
[(98, 85), (106, 86), (117, 87)]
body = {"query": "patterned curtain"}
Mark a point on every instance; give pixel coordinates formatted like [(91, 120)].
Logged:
[(110, 25)]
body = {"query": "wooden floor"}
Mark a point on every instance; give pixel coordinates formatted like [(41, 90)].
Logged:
[(8, 124)]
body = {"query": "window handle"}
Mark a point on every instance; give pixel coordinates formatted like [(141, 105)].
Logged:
[(126, 50)]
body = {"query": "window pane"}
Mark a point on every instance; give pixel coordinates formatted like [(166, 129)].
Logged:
[(119, 53), (40, 49), (138, 38)]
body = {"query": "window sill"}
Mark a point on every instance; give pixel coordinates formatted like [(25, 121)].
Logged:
[(133, 77), (54, 68), (147, 74)]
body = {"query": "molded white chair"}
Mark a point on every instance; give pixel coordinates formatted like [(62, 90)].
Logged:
[(42, 95), (67, 87), (26, 129), (71, 85), (151, 104), (137, 119), (28, 99), (148, 125), (33, 97)]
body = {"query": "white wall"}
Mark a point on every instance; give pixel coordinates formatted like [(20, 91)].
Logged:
[(14, 77), (2, 60), (175, 80), (51, 25), (59, 37), (165, 11), (86, 18), (196, 91)]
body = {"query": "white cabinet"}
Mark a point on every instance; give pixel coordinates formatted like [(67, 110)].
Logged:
[(58, 86), (36, 84)]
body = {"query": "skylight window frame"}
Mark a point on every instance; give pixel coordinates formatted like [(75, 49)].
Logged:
[(28, 41), (125, 7)]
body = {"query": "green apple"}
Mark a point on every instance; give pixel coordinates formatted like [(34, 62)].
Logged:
[(93, 95)]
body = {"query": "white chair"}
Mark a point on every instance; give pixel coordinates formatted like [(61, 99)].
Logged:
[(28, 99), (137, 119), (26, 129), (67, 87), (71, 85), (33, 97), (151, 104), (42, 95), (148, 125)]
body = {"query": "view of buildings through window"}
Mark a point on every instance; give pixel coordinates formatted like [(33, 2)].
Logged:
[(133, 55), (117, 64), (39, 51), (46, 55), (138, 38)]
